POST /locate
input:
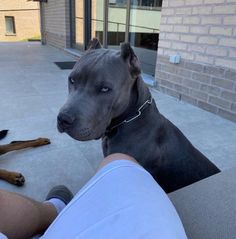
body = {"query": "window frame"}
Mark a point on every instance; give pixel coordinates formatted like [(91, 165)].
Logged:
[(13, 33)]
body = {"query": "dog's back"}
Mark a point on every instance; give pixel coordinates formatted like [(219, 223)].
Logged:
[(182, 164)]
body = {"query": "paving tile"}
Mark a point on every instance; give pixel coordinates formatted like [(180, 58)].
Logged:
[(46, 169)]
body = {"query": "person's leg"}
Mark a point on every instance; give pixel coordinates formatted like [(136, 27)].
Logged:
[(120, 193), (113, 157), (22, 217)]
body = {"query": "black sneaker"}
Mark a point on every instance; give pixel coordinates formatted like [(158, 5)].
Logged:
[(61, 192)]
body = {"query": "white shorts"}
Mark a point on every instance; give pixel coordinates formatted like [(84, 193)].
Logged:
[(2, 236), (122, 201)]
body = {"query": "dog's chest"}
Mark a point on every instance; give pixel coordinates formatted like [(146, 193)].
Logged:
[(133, 143)]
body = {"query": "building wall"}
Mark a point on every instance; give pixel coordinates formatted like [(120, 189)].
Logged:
[(203, 33), (56, 23), (27, 19)]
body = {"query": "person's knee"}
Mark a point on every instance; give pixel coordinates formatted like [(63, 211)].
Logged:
[(116, 156)]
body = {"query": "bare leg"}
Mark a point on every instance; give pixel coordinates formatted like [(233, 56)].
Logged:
[(114, 157), (22, 217)]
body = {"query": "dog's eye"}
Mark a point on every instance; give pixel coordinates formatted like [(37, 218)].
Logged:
[(71, 80), (104, 89)]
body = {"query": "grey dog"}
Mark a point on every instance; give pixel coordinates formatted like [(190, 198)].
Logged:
[(108, 99)]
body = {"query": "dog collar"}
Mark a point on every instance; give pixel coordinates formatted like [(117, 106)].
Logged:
[(139, 113)]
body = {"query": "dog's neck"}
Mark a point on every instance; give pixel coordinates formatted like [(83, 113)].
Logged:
[(139, 95)]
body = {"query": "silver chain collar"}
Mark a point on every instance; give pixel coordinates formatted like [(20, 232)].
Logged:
[(139, 112)]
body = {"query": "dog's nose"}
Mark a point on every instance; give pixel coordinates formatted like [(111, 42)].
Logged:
[(64, 120)]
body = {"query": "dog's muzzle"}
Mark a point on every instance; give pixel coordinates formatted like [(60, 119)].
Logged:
[(64, 122)]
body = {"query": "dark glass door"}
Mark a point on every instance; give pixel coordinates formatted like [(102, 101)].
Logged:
[(97, 19), (79, 24), (116, 22), (144, 25)]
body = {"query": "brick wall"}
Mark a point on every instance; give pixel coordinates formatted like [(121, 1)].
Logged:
[(203, 33), (18, 5), (56, 23), (27, 19)]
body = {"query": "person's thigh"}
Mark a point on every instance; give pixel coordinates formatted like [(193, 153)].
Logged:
[(121, 201)]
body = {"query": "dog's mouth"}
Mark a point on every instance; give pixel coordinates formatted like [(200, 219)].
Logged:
[(83, 134)]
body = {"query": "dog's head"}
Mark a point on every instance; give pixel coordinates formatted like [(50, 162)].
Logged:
[(99, 90)]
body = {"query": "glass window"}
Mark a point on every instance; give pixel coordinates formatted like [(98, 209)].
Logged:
[(149, 3), (118, 3), (117, 15), (79, 24), (10, 25), (138, 3), (144, 27), (97, 22)]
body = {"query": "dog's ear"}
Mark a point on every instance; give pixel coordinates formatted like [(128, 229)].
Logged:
[(3, 134), (94, 44), (132, 60)]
